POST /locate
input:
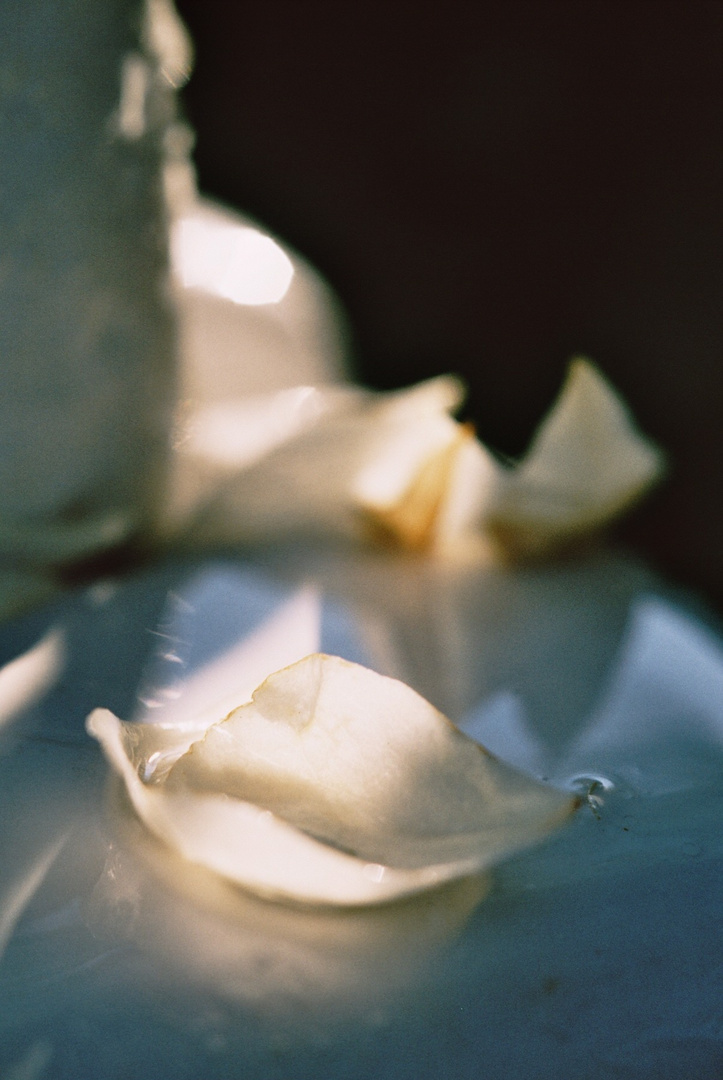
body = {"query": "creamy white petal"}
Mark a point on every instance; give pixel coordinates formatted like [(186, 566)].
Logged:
[(587, 463), (352, 462), (333, 785), (398, 469)]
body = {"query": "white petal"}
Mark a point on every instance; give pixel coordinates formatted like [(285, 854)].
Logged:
[(586, 464), (398, 468), (359, 454), (334, 785)]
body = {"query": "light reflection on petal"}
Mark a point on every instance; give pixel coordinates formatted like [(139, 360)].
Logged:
[(231, 350), (235, 262), (235, 433), (356, 769)]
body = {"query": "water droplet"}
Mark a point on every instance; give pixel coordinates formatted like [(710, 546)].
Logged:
[(589, 784), (374, 871), (146, 769), (592, 789)]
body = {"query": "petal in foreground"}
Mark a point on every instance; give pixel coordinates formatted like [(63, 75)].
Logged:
[(334, 785)]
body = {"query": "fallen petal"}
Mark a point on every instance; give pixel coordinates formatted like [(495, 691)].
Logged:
[(333, 785), (398, 469), (587, 463)]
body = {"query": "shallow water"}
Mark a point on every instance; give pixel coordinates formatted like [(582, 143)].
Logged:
[(597, 954)]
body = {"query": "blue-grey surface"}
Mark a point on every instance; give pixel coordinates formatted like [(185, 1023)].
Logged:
[(595, 955)]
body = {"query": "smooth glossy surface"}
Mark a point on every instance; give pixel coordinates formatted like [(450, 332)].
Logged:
[(597, 954)]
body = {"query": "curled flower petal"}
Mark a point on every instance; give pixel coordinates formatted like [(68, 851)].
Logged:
[(398, 468), (333, 785), (586, 464), (353, 462)]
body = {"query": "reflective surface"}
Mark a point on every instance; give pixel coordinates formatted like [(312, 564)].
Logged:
[(597, 954)]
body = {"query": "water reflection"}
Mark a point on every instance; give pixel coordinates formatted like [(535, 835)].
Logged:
[(462, 635), (578, 669), (28, 678), (216, 646), (659, 724), (324, 964), (22, 890), (589, 671)]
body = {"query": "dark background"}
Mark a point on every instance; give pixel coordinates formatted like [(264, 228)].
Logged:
[(492, 187)]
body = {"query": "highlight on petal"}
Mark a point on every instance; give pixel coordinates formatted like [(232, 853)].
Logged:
[(426, 477), (254, 317), (238, 263), (244, 467), (587, 463), (362, 465), (397, 468), (334, 785)]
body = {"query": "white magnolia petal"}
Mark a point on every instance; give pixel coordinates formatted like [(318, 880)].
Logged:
[(398, 468), (325, 478), (333, 785), (586, 464)]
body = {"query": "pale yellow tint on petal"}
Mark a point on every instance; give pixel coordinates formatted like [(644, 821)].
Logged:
[(586, 464), (333, 785), (412, 520), (398, 469)]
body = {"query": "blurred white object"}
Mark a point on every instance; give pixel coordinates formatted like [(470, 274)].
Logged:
[(99, 342), (399, 469), (86, 328), (254, 317), (340, 457), (587, 463), (235, 262)]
